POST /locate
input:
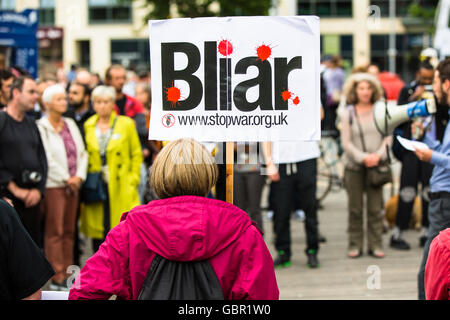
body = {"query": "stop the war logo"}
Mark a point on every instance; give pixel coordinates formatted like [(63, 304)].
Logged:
[(217, 61)]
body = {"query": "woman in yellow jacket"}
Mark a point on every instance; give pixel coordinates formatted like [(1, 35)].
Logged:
[(115, 139)]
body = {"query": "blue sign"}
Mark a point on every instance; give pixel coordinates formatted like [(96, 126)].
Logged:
[(18, 31)]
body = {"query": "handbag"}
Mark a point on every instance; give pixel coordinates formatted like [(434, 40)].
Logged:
[(379, 175), (94, 188)]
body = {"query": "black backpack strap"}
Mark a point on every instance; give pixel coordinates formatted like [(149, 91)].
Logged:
[(180, 280), (2, 120)]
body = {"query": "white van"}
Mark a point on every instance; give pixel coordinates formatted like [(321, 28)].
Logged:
[(442, 37)]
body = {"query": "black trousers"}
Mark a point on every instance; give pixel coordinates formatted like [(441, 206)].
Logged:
[(247, 194), (31, 220), (328, 123), (413, 172), (221, 192), (96, 243), (296, 188)]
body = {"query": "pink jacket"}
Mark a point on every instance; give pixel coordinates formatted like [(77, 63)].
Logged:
[(182, 228), (437, 270)]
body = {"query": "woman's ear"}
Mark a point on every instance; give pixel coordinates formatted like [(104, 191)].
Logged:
[(446, 86)]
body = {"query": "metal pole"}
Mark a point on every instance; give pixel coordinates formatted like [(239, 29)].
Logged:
[(392, 52)]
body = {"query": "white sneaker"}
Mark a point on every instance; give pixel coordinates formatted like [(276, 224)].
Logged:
[(269, 215), (299, 215)]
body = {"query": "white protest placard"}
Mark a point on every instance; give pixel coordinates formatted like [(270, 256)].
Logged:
[(235, 79)]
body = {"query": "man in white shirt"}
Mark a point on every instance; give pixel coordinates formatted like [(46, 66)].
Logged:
[(293, 179)]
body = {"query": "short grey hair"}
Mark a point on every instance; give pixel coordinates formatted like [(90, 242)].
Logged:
[(50, 91), (104, 92)]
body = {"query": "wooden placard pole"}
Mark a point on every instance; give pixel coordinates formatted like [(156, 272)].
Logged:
[(229, 171)]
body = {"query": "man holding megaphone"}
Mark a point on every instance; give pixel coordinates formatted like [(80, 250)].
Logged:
[(437, 154)]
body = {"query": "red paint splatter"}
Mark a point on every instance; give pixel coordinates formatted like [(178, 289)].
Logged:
[(263, 52), (286, 95), (225, 48), (173, 94)]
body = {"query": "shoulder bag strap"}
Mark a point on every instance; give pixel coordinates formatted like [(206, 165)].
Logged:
[(2, 120), (109, 138), (360, 130)]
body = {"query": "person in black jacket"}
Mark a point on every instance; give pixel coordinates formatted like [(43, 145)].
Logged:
[(24, 270), (413, 170), (23, 163)]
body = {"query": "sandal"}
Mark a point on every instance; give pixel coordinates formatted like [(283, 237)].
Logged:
[(354, 253), (377, 253)]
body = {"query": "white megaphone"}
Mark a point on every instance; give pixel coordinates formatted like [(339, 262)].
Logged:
[(387, 118)]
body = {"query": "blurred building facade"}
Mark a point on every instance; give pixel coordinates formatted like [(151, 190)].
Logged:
[(96, 33), (358, 30), (90, 33)]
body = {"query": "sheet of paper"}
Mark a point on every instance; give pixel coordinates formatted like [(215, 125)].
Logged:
[(411, 145), (55, 295)]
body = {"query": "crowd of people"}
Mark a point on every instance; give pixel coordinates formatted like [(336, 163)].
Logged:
[(75, 158), (64, 142)]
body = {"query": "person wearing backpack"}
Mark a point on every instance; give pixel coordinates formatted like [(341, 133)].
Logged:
[(216, 250)]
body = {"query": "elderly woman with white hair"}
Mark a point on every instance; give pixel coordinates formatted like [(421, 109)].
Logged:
[(115, 158), (67, 165)]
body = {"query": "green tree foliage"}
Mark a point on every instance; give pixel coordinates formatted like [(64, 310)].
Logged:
[(425, 13), (160, 9), (418, 11)]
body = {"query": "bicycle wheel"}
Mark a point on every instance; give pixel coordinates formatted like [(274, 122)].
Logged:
[(324, 179), (330, 154)]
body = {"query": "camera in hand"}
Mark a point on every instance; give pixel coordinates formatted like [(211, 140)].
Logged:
[(31, 177), (429, 88)]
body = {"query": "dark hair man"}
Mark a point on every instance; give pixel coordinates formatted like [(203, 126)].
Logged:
[(23, 164), (80, 108), (439, 156), (6, 80), (115, 76)]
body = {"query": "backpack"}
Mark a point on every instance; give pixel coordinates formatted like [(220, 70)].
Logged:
[(180, 280), (2, 120)]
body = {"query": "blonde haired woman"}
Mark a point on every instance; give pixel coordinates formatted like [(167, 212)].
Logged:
[(114, 150), (183, 225), (364, 147), (67, 165)]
